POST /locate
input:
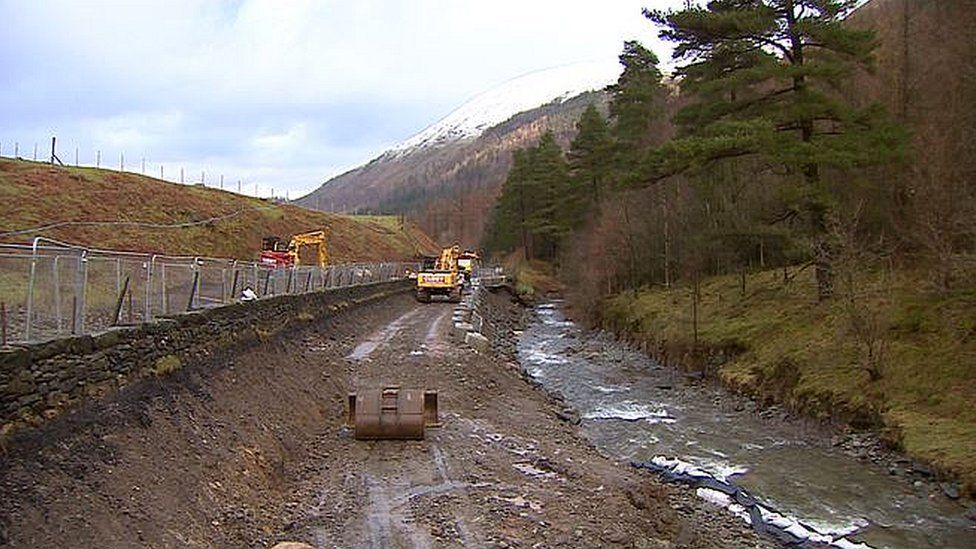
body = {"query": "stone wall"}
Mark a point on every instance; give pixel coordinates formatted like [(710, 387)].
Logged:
[(481, 322), (39, 381)]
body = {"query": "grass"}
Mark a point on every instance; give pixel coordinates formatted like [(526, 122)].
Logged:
[(531, 277), (806, 355), (167, 365), (39, 194)]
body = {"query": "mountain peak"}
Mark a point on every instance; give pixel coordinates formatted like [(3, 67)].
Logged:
[(556, 84)]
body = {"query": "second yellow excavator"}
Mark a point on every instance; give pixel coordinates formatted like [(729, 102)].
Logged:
[(439, 276)]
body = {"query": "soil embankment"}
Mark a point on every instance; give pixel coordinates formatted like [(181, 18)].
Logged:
[(247, 448)]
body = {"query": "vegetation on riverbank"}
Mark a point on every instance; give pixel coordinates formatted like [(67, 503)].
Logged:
[(531, 277), (897, 355)]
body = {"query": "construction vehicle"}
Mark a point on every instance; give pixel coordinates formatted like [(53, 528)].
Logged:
[(303, 249), (439, 276), (466, 264)]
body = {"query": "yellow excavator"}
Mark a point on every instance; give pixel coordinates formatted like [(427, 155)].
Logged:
[(303, 249), (439, 276)]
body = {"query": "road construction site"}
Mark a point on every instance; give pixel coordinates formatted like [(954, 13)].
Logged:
[(250, 447)]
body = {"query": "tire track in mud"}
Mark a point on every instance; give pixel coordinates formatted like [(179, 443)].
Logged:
[(389, 520), (381, 336)]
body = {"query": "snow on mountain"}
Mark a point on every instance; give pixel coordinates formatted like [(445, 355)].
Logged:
[(514, 96)]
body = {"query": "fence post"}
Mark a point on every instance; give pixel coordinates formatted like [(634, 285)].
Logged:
[(81, 283), (119, 301), (118, 274), (57, 294), (30, 289), (149, 270), (193, 289), (162, 280), (197, 269), (233, 287)]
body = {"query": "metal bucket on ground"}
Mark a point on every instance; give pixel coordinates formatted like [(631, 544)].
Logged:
[(392, 413)]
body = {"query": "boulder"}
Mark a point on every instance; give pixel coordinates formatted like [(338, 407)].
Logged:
[(477, 341), (461, 328)]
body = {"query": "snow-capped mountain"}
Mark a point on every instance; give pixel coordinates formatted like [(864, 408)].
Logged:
[(512, 97), (447, 176)]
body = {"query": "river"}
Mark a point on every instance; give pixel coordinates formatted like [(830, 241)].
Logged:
[(635, 409)]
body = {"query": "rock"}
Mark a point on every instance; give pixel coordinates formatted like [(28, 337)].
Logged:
[(615, 537), (569, 415), (923, 469), (292, 545), (461, 328), (950, 489), (971, 515), (478, 341)]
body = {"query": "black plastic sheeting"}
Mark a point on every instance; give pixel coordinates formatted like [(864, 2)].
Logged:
[(787, 531)]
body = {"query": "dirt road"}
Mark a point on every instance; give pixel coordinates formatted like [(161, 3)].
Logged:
[(250, 449)]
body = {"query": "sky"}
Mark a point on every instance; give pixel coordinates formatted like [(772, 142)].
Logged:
[(275, 94)]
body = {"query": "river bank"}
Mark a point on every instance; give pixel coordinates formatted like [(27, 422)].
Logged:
[(632, 407), (894, 373)]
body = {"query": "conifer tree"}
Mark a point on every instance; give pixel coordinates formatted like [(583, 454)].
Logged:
[(509, 226), (588, 160), (636, 102), (761, 73), (549, 221)]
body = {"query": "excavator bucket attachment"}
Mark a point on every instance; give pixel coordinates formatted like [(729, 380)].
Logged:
[(392, 413)]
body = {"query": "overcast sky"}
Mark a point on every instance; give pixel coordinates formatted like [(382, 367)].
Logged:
[(282, 94)]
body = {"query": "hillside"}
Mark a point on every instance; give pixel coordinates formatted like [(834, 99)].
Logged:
[(447, 179), (108, 209)]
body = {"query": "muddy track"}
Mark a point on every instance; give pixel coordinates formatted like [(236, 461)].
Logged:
[(248, 449)]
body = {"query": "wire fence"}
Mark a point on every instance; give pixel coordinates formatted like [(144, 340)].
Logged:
[(174, 172), (51, 289)]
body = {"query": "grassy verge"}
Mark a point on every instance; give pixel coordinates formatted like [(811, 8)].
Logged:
[(533, 277), (897, 356)]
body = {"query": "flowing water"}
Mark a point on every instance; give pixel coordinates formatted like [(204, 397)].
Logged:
[(633, 408)]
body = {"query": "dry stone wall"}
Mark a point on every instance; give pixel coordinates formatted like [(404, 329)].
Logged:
[(39, 381)]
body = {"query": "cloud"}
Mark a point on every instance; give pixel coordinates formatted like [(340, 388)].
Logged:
[(288, 91)]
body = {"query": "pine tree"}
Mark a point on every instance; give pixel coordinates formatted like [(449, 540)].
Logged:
[(509, 225), (761, 73), (589, 163), (549, 220), (636, 103)]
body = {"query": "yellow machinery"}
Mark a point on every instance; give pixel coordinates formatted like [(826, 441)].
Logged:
[(309, 249), (439, 276), (303, 249), (466, 263)]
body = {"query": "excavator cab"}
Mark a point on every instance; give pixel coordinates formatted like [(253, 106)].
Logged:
[(441, 278)]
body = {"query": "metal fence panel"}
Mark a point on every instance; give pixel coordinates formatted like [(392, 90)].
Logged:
[(51, 289)]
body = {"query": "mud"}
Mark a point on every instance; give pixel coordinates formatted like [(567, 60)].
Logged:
[(255, 452)]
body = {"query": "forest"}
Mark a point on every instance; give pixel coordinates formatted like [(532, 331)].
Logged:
[(799, 193)]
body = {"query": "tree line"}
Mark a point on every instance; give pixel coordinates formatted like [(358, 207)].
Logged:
[(757, 153)]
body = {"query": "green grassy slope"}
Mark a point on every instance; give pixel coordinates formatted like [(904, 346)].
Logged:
[(810, 356), (34, 194)]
